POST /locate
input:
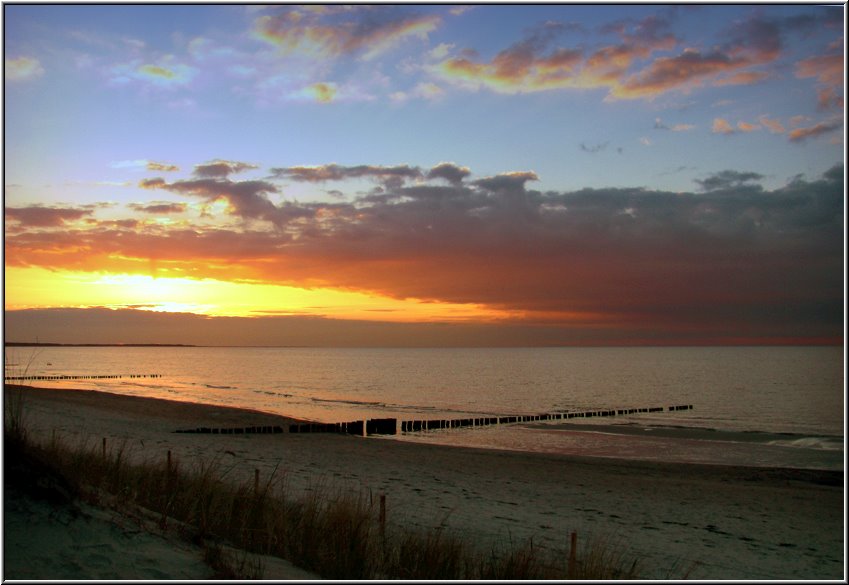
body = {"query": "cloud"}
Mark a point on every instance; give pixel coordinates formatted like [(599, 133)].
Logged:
[(22, 69), (747, 127), (161, 167), (594, 148), (512, 182), (391, 176), (538, 63), (829, 71), (38, 216), (743, 78), (828, 99), (130, 164), (166, 73), (246, 199), (423, 90), (731, 257), (221, 168), (365, 31), (802, 134), (322, 92), (451, 172), (674, 73), (155, 183), (774, 126), (728, 180), (721, 126), (440, 51), (158, 207), (660, 125), (628, 69)]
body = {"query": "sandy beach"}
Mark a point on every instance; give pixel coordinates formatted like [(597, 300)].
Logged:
[(699, 521)]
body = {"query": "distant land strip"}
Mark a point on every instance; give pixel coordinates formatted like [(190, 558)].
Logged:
[(39, 344)]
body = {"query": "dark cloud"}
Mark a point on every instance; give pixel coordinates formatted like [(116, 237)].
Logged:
[(390, 176), (221, 168), (38, 216), (668, 73), (452, 173), (247, 199), (158, 207), (507, 182), (155, 183), (594, 148), (728, 180), (731, 257)]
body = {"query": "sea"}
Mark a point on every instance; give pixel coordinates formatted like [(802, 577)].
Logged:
[(751, 406)]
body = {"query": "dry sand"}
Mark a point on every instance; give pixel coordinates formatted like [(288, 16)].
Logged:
[(699, 521)]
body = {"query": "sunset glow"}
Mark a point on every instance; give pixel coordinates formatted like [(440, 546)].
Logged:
[(603, 173), (33, 289)]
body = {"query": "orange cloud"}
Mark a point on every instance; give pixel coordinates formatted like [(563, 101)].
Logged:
[(534, 64), (774, 126), (746, 127), (828, 69), (22, 68), (162, 167), (294, 31), (669, 73), (721, 126), (167, 73), (829, 99), (802, 134), (323, 92), (743, 78)]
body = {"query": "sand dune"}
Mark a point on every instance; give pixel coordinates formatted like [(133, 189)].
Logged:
[(708, 522)]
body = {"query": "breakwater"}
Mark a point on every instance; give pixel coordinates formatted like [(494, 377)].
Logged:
[(91, 377), (392, 426)]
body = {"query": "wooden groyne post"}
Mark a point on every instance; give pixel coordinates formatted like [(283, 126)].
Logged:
[(438, 424)]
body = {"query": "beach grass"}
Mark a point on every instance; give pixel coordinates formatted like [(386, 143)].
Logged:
[(335, 533)]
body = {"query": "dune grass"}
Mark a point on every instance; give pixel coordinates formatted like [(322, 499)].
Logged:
[(335, 533)]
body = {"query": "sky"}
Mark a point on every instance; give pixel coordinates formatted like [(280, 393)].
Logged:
[(424, 174)]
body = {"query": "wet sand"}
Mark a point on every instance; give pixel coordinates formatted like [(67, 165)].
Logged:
[(699, 521)]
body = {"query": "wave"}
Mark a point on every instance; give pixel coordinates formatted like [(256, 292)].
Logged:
[(819, 443), (354, 402), (674, 431)]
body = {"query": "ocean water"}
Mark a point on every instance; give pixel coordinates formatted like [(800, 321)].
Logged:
[(765, 406)]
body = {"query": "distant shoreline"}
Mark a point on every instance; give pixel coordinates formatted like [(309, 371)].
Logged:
[(37, 344)]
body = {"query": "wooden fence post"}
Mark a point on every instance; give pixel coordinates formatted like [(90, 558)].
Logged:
[(573, 552), (382, 517), (103, 447)]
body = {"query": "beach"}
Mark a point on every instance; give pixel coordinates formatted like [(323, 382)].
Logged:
[(680, 520)]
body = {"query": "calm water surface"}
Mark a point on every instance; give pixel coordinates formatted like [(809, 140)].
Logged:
[(777, 406)]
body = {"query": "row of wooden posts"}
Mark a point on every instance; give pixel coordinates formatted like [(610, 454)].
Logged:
[(391, 426), (103, 377), (170, 467)]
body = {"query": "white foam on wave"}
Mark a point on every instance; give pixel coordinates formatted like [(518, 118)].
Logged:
[(822, 443)]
